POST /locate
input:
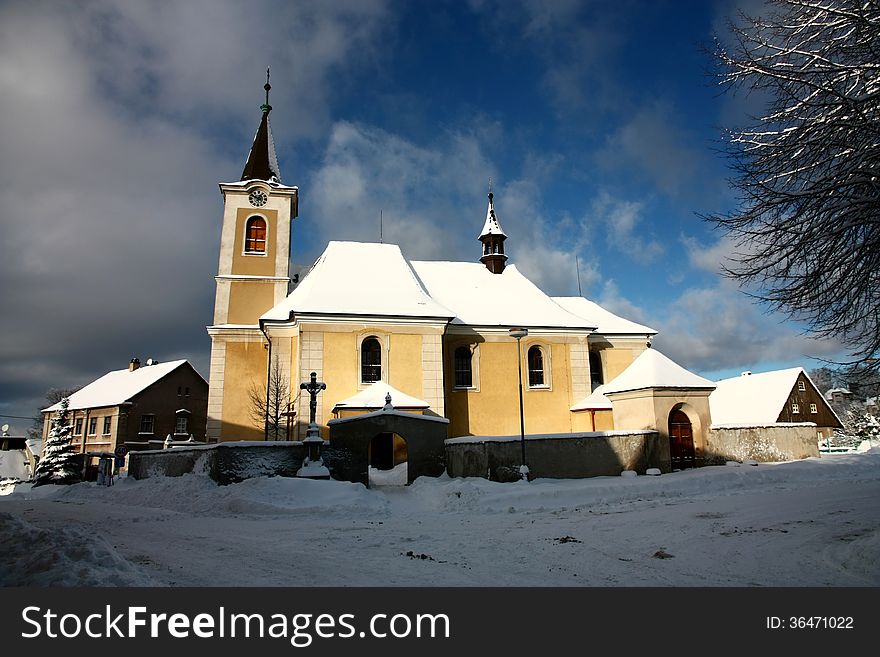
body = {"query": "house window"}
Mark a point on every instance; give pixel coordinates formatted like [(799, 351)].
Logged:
[(93, 426), (255, 235), (147, 423), (814, 408), (802, 386), (536, 367), (179, 391), (79, 427), (186, 392), (180, 426), (371, 360), (464, 377), (795, 408), (107, 425)]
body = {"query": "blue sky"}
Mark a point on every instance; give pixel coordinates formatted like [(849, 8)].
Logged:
[(597, 122)]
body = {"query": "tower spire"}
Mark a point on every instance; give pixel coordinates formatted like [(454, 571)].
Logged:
[(493, 237), (262, 164), (267, 107)]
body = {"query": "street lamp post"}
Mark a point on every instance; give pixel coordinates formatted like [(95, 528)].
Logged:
[(519, 334)]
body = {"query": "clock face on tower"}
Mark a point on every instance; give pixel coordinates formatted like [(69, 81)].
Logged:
[(258, 198)]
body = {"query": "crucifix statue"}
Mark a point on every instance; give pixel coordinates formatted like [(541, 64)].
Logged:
[(312, 465), (313, 387)]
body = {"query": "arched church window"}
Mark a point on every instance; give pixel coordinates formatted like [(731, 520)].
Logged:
[(371, 360), (536, 367), (255, 235), (464, 377), (597, 377)]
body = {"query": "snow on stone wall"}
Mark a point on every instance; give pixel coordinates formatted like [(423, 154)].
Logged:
[(563, 456), (764, 443), (225, 463)]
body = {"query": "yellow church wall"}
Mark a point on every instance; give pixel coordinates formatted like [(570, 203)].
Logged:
[(615, 360), (581, 421), (248, 300), (405, 364), (401, 364), (493, 409), (245, 363), (255, 265)]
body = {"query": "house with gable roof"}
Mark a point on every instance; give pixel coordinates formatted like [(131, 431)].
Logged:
[(138, 407), (769, 398)]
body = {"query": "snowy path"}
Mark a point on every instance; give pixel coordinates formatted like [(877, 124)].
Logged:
[(811, 523)]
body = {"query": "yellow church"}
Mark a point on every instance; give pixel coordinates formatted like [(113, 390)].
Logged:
[(465, 341)]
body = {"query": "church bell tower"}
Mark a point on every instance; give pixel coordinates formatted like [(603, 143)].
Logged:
[(253, 273), (493, 238), (253, 276)]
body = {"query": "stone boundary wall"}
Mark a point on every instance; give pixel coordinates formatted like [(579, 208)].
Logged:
[(562, 456), (763, 443), (225, 463)]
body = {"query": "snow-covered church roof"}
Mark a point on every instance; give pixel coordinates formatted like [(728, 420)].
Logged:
[(595, 401), (118, 386), (373, 396), (477, 297), (651, 369), (606, 322), (358, 278)]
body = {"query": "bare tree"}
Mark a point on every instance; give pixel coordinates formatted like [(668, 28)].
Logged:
[(807, 229), (269, 408), (53, 396)]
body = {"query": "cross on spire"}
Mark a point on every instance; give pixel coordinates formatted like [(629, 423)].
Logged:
[(267, 107)]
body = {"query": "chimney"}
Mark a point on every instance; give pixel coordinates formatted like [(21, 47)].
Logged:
[(134, 364)]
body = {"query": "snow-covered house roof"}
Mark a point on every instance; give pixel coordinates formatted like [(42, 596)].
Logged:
[(606, 322), (595, 401), (840, 391), (357, 278), (119, 386), (477, 297), (651, 369), (373, 396), (492, 226), (754, 398)]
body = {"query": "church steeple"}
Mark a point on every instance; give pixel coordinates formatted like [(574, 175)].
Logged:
[(262, 163), (493, 238)]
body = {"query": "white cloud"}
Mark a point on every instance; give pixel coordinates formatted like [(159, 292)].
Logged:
[(433, 201), (620, 220), (717, 327)]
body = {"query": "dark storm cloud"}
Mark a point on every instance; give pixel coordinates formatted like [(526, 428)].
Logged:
[(115, 132)]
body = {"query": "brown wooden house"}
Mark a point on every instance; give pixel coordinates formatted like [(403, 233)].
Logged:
[(780, 396)]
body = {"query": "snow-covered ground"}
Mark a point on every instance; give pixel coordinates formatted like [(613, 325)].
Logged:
[(809, 523)]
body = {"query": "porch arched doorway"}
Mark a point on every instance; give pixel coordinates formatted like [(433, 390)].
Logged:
[(681, 440), (388, 460)]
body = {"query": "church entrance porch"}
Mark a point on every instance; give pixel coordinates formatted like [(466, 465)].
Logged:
[(681, 441)]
